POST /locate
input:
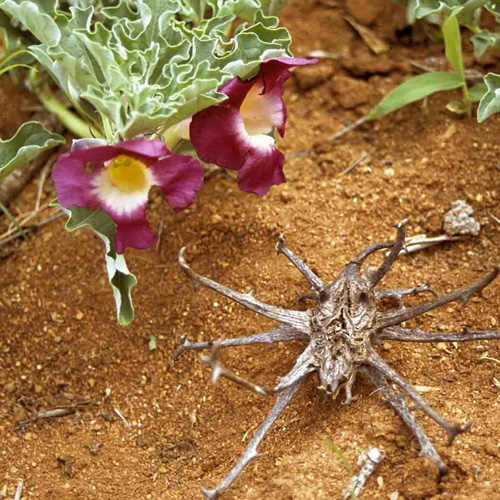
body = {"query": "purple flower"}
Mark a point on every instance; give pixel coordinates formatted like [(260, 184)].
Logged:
[(117, 179), (234, 134)]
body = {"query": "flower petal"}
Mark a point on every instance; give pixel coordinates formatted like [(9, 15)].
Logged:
[(180, 177), (151, 148), (133, 231), (236, 91), (276, 71), (87, 143), (141, 148), (263, 111), (97, 155), (263, 167), (219, 136), (74, 183), (128, 210)]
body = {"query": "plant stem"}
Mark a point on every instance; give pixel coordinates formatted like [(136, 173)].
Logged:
[(69, 119), (5, 210)]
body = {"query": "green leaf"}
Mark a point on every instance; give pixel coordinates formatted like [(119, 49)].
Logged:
[(414, 89), (453, 44), (121, 279), (490, 103), (30, 140), (485, 40), (476, 92)]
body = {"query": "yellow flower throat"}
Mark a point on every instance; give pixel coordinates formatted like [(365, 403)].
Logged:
[(127, 174)]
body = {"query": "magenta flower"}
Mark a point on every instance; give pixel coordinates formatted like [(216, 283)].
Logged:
[(234, 134), (117, 178)]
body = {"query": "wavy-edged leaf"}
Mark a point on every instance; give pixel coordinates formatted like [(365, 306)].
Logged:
[(29, 141), (272, 7), (490, 103), (484, 40), (153, 65), (415, 89), (467, 11), (121, 279)]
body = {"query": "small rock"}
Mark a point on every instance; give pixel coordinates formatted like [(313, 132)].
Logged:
[(66, 464), (215, 219), (458, 220), (109, 417), (95, 446), (312, 76), (351, 92), (141, 442), (491, 449), (286, 196)]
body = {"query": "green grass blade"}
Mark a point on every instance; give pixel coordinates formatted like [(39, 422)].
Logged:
[(340, 454), (415, 89), (14, 66), (453, 44), (8, 57)]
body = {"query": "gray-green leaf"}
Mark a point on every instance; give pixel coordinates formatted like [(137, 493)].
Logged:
[(121, 279), (29, 141), (149, 64), (490, 103), (484, 40), (415, 89)]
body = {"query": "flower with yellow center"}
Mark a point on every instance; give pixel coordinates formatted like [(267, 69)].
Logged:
[(119, 181)]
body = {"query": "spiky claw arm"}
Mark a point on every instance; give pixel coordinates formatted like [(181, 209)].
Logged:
[(221, 371), (303, 367), (399, 293), (362, 256), (376, 277), (296, 319), (375, 361), (250, 453), (463, 295), (416, 335), (283, 333), (400, 407), (316, 283)]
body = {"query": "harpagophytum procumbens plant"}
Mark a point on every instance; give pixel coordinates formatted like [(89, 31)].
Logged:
[(156, 88), (341, 332)]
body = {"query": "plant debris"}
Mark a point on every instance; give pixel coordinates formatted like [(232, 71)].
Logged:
[(341, 332)]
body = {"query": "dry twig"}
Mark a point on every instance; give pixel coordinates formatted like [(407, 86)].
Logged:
[(350, 127), (367, 465), (122, 418), (352, 166), (19, 490)]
